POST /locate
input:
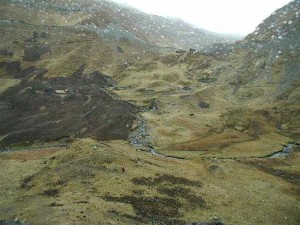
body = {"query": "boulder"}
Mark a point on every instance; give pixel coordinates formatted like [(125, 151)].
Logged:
[(203, 105)]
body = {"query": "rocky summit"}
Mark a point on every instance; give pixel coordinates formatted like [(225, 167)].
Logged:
[(109, 115)]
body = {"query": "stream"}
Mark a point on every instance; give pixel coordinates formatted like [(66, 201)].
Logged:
[(140, 139), (285, 151)]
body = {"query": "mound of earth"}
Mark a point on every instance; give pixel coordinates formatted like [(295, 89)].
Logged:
[(63, 107)]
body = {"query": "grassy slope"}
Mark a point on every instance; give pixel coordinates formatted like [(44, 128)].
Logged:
[(72, 187)]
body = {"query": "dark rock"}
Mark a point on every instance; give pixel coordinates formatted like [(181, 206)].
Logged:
[(35, 34), (51, 192), (5, 52), (13, 68), (154, 104), (213, 168), (56, 204), (144, 90), (27, 182), (186, 88), (213, 222), (4, 105), (118, 88), (203, 105), (180, 51), (100, 79), (34, 52), (207, 80), (30, 40), (120, 49), (44, 35), (261, 65)]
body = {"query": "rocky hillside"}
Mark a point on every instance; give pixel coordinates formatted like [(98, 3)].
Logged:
[(112, 21), (273, 52), (232, 85), (267, 65)]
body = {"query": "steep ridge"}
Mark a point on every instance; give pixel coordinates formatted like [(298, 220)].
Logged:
[(115, 21), (268, 72), (273, 53)]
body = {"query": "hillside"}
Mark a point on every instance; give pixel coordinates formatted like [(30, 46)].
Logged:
[(112, 116), (113, 21)]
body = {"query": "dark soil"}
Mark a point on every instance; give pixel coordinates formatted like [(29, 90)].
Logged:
[(165, 209), (152, 209), (266, 167), (192, 199), (166, 178), (13, 69), (52, 192), (35, 51), (27, 182), (64, 107), (214, 222)]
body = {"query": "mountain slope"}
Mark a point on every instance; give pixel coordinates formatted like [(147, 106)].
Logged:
[(268, 64), (113, 21), (100, 124), (275, 49)]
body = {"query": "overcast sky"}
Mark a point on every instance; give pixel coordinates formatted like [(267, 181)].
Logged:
[(222, 16)]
